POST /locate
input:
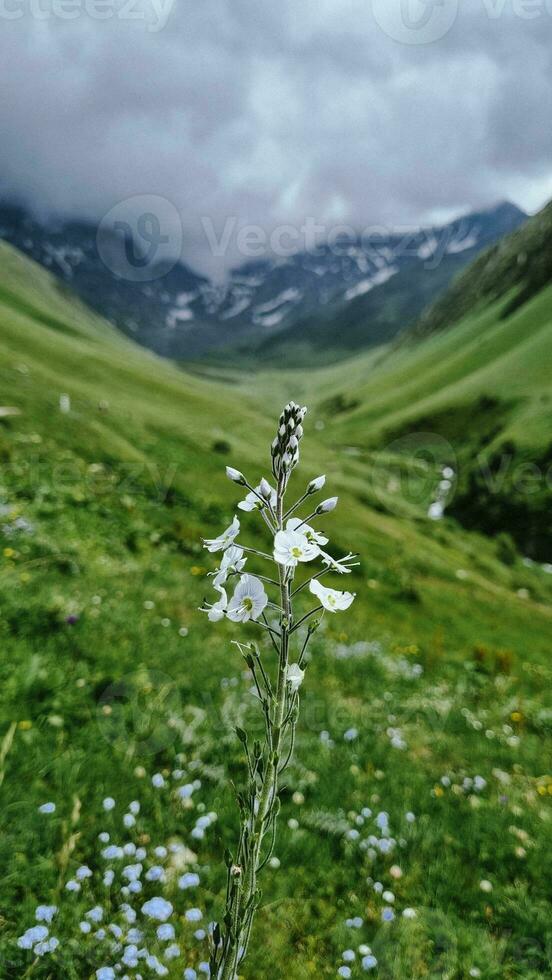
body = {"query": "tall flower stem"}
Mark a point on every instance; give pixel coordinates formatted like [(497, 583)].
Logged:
[(244, 896), (277, 689)]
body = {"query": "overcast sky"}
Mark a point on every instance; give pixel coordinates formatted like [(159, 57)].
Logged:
[(341, 110)]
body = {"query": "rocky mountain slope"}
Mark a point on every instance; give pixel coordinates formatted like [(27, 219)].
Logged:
[(353, 293)]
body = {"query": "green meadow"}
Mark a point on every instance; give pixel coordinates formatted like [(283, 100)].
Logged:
[(421, 781)]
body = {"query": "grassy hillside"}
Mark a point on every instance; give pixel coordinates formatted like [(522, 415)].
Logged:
[(521, 261), (109, 675), (477, 394)]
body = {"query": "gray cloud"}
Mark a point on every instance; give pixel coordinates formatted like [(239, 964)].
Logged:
[(274, 112)]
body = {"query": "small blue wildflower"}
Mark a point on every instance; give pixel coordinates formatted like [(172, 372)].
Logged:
[(158, 908), (194, 915)]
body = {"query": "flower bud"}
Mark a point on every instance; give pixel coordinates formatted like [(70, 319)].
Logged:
[(265, 489), (235, 475), (327, 505), (316, 485), (293, 443), (299, 432)]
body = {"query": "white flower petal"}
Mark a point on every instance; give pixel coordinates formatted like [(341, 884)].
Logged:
[(294, 676), (249, 600), (331, 599), (291, 547)]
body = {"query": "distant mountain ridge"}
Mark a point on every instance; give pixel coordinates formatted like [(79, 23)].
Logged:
[(355, 293), (418, 268), (520, 262)]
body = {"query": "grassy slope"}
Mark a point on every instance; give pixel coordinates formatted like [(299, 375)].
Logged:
[(510, 360), (119, 494), (521, 261)]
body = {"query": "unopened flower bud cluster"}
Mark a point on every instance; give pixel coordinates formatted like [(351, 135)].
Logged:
[(285, 448)]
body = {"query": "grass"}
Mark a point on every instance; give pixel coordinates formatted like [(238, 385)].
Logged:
[(110, 675)]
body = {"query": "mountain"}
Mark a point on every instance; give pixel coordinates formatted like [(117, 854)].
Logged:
[(150, 311), (356, 292), (521, 262), (476, 396), (402, 276)]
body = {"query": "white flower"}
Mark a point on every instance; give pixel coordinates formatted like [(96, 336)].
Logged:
[(294, 676), (248, 601), (235, 475), (216, 610), (108, 803), (252, 501), (291, 547), (327, 505), (225, 539), (331, 599), (232, 561), (296, 524), (316, 485), (340, 565)]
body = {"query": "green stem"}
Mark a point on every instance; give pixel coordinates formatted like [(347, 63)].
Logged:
[(243, 906)]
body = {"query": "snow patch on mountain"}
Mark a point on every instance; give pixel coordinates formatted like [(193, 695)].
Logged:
[(461, 245), (365, 285)]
